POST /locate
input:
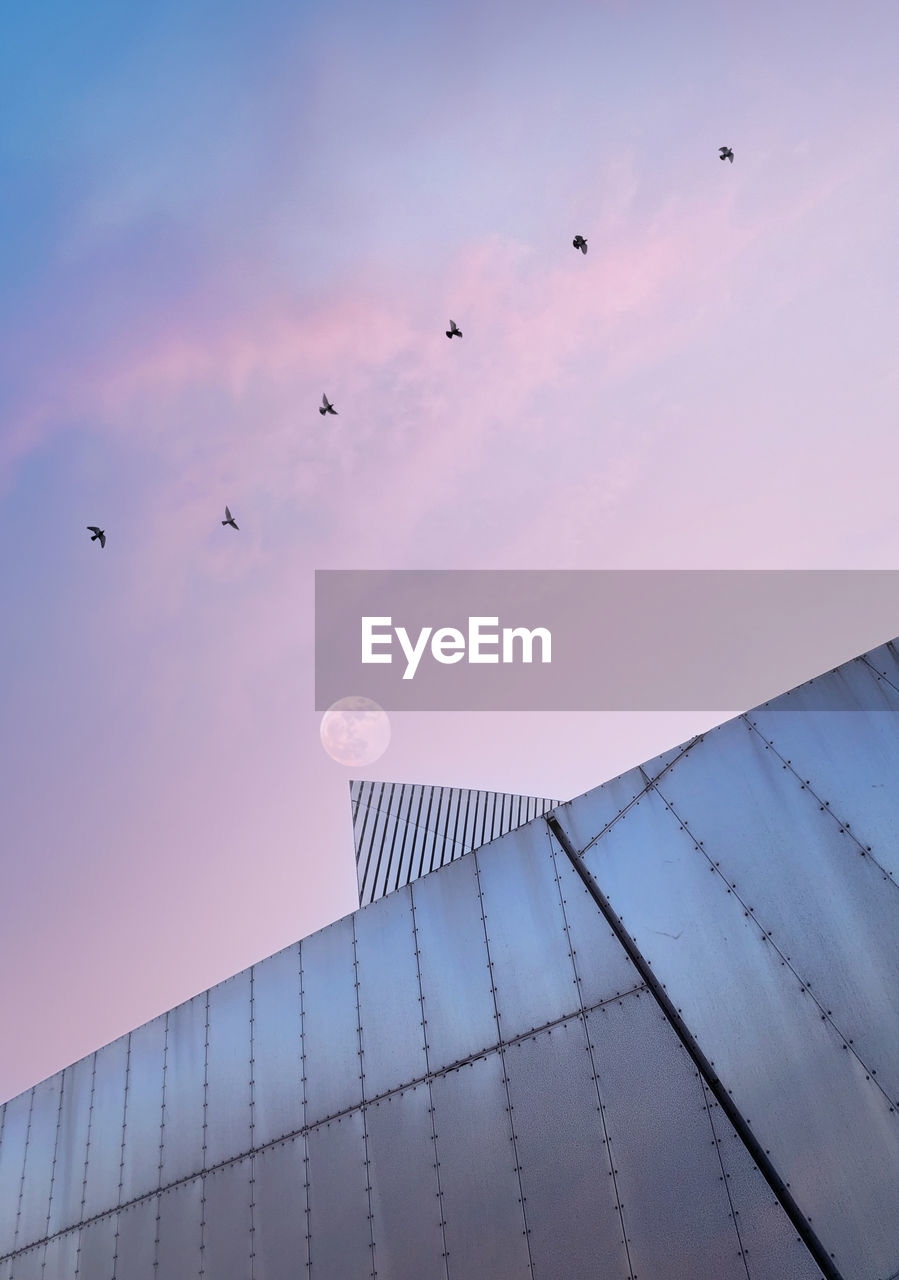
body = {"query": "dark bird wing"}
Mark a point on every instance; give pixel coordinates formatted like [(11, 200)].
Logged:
[(102, 539), (92, 528), (228, 513)]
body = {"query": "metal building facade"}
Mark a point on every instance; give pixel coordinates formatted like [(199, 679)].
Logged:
[(404, 831), (468, 1078)]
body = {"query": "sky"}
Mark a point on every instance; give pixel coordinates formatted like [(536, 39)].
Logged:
[(209, 215)]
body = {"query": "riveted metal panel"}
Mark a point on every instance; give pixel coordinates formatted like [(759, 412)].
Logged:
[(71, 1145), (104, 1156), (851, 756), (35, 1201), (61, 1258), (12, 1163), (185, 1064), (29, 1265), (584, 818), (485, 1227), (136, 1243), (96, 1249), (459, 1010), (331, 1025), (228, 1070), (802, 872), (668, 1176), (404, 1199), (227, 1221), (277, 1047), (603, 967), (180, 1231), (393, 1044), (339, 1228), (279, 1212), (532, 966), (572, 1210), (829, 1130), (770, 1245), (143, 1110)]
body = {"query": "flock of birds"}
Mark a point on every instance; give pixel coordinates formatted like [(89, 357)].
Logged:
[(579, 242)]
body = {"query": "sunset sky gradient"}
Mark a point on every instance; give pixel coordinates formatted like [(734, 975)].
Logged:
[(213, 213)]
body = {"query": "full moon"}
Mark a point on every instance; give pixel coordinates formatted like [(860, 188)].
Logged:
[(355, 731)]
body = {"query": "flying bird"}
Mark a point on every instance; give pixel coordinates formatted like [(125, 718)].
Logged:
[(327, 406), (726, 153), (580, 243), (453, 331), (229, 519), (97, 533)]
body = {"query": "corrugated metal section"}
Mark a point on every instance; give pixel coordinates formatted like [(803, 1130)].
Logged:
[(469, 1078), (403, 831)]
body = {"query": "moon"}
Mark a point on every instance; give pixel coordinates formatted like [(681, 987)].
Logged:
[(355, 731)]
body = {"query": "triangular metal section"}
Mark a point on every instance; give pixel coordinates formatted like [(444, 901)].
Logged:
[(403, 831)]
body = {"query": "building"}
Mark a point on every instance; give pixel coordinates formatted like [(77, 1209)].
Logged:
[(650, 1034)]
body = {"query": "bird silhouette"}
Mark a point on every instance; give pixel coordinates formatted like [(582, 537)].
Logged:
[(229, 519), (726, 153), (453, 331), (580, 243), (327, 406), (97, 533)]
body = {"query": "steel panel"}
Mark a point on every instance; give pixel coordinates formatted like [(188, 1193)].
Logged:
[(12, 1164), (828, 908), (583, 818), (143, 1110), (772, 1249), (96, 1250), (136, 1243), (528, 945), (185, 1064), (673, 1198), (485, 1227), (104, 1154), (180, 1231), (277, 1047), (330, 1021), (851, 758), (391, 862), (572, 1210), (71, 1145), (227, 1220), (29, 1265), (228, 1070), (458, 1001), (381, 825), (393, 1044), (6, 1269), (404, 1200), (279, 1212), (448, 826), (603, 968), (828, 1129), (61, 1258), (35, 1202), (339, 1229)]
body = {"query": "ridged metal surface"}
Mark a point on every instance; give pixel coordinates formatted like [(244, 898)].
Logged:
[(469, 1078), (403, 831)]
